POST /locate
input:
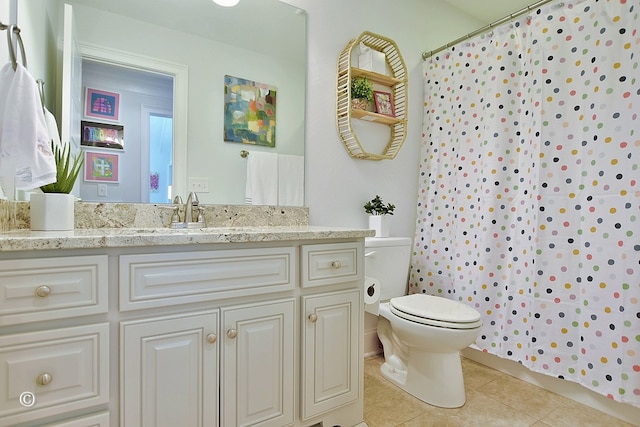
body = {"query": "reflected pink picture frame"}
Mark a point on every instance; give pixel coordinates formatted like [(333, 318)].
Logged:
[(101, 167), (100, 104)]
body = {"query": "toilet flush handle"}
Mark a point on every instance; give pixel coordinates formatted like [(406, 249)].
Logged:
[(370, 253)]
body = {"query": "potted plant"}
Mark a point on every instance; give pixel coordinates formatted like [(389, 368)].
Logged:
[(361, 93), (378, 212), (53, 209)]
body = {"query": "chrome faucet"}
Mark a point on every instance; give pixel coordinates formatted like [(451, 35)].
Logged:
[(192, 202), (190, 208)]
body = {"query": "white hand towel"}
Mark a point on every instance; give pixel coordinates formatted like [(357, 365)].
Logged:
[(25, 146), (262, 179), (290, 180)]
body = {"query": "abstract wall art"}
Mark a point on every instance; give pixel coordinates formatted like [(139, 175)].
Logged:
[(249, 112)]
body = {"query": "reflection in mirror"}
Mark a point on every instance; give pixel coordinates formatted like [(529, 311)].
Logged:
[(196, 44), (146, 155)]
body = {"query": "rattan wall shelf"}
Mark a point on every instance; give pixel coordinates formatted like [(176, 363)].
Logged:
[(397, 83)]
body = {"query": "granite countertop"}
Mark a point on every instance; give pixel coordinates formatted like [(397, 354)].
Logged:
[(21, 240)]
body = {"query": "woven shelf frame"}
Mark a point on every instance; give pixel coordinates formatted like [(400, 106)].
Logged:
[(397, 83)]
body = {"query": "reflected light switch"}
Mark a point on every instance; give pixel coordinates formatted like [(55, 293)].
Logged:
[(102, 190)]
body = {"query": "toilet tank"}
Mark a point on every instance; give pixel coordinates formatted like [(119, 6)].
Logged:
[(387, 259)]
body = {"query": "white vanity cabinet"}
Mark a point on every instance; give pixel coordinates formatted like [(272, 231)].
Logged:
[(49, 367), (331, 332), (257, 364), (329, 351), (169, 371), (264, 332), (252, 352)]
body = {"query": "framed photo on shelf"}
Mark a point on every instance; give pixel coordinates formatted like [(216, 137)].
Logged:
[(100, 104), (102, 135), (101, 167), (384, 103)]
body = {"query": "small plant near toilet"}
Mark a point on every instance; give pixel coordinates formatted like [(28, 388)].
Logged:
[(377, 207), (378, 212)]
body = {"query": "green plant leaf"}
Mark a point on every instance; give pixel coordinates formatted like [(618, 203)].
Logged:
[(67, 171), (377, 207)]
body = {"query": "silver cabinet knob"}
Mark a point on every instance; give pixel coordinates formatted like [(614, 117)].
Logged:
[(212, 338), (232, 333), (336, 264), (43, 291), (44, 379), (313, 318)]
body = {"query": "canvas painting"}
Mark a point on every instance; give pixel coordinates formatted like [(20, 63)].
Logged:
[(249, 112)]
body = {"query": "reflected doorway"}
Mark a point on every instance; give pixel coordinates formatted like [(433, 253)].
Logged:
[(159, 138)]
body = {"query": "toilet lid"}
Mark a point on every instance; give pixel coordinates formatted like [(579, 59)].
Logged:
[(436, 311)]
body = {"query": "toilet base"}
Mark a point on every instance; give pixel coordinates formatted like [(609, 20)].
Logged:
[(434, 378)]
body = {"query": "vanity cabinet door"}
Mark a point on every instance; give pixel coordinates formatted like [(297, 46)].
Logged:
[(257, 367), (169, 371), (330, 353)]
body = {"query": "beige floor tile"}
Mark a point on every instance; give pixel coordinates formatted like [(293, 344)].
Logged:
[(482, 410), (494, 399), (522, 396), (476, 375), (372, 365), (575, 414), (385, 405)]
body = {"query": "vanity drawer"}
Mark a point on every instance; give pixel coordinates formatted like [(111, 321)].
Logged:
[(97, 420), (331, 263), (158, 280), (52, 288), (63, 369)]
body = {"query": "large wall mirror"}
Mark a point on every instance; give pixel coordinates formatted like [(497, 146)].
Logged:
[(188, 46)]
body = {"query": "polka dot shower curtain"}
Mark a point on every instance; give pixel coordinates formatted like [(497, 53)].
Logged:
[(529, 191)]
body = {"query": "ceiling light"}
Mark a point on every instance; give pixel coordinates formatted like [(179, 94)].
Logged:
[(226, 3)]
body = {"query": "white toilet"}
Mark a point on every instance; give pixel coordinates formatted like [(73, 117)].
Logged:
[(422, 334)]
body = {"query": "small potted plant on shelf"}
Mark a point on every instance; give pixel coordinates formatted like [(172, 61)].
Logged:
[(378, 212), (53, 209), (361, 93)]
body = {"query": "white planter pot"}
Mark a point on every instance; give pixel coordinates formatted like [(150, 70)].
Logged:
[(52, 211), (380, 223)]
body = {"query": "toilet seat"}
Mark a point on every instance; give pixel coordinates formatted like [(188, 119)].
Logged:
[(435, 311)]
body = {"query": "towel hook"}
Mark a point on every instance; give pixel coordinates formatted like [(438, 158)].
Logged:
[(40, 83), (13, 29)]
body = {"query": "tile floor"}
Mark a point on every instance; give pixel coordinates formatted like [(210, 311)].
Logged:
[(493, 399)]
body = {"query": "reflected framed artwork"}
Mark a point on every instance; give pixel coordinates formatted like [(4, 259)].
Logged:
[(102, 135), (249, 112), (101, 104), (384, 103), (101, 167)]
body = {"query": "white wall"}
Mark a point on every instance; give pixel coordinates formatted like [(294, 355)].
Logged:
[(337, 185), (38, 21), (5, 18)]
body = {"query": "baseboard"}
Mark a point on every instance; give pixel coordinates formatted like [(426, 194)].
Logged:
[(568, 389), (372, 344)]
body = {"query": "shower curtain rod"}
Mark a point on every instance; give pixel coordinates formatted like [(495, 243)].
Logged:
[(428, 54)]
